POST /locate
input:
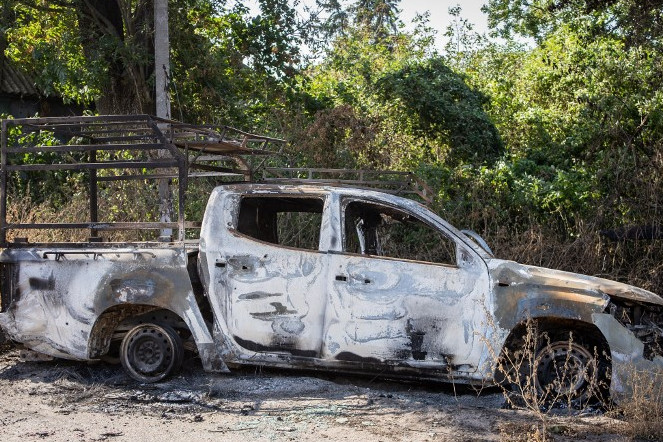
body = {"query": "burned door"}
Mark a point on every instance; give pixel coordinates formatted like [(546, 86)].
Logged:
[(402, 292), (274, 275)]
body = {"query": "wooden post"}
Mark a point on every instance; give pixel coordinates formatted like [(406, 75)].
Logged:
[(161, 58), (3, 183), (94, 215)]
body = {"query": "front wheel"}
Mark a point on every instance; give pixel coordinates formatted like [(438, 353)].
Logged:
[(151, 352), (566, 369)]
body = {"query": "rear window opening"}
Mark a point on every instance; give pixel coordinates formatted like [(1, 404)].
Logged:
[(290, 221)]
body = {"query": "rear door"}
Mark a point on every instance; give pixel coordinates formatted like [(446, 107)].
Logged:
[(271, 274)]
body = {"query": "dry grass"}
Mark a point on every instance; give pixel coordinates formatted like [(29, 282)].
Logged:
[(523, 432), (526, 385), (24, 210), (123, 202), (580, 250), (643, 409), (636, 262)]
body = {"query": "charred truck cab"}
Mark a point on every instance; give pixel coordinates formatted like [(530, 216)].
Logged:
[(317, 277)]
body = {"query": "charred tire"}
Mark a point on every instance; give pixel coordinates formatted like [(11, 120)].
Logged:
[(569, 369), (151, 352)]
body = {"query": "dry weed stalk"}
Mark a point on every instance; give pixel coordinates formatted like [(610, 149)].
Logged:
[(125, 202), (643, 410), (638, 262), (541, 370), (23, 210)]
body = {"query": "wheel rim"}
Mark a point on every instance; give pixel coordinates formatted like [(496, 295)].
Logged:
[(149, 353), (564, 368)]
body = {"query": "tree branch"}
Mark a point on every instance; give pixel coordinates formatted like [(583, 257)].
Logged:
[(101, 20)]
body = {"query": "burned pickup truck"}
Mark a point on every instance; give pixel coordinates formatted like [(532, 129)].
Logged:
[(323, 277)]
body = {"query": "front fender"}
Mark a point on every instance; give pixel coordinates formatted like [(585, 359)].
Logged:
[(518, 303), (627, 357)]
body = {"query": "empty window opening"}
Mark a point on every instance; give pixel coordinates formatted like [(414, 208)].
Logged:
[(290, 222), (376, 230)]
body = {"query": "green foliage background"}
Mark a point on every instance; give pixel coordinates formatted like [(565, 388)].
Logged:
[(538, 146)]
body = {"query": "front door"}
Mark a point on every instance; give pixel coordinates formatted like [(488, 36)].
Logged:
[(400, 293)]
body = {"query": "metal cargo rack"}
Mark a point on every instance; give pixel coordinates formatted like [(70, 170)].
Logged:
[(142, 147), (133, 147), (389, 181)]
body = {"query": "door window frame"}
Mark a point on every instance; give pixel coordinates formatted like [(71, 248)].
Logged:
[(234, 229), (345, 201)]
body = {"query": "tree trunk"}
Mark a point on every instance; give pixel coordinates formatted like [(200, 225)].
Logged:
[(130, 65)]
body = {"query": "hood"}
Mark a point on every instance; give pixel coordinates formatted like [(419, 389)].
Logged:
[(510, 272)]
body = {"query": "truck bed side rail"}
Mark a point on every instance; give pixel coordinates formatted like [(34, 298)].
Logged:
[(107, 152)]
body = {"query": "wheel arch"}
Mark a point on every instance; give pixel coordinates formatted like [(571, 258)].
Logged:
[(107, 324), (587, 332)]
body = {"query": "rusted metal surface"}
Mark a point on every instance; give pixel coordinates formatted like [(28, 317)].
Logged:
[(159, 149), (389, 181), (332, 295), (142, 147), (356, 313)]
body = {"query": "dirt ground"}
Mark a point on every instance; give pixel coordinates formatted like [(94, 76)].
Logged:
[(70, 401)]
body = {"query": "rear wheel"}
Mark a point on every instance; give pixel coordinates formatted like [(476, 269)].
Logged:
[(151, 352)]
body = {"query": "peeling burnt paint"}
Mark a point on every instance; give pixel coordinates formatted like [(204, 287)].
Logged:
[(627, 356), (351, 357), (257, 295), (282, 346), (133, 288), (524, 292), (319, 303), (416, 341), (42, 283), (279, 310), (318, 307), (367, 302)]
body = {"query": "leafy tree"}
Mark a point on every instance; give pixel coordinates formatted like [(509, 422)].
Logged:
[(443, 108), (88, 48), (378, 17), (637, 21), (336, 23), (412, 110), (232, 68), (463, 41), (102, 50), (44, 41), (580, 116)]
